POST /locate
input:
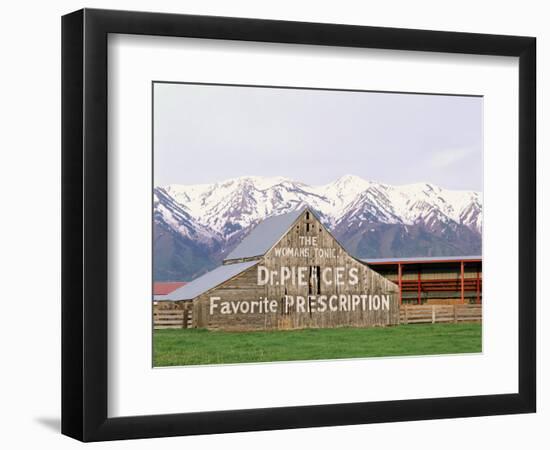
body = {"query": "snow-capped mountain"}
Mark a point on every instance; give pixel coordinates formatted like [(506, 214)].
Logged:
[(370, 219)]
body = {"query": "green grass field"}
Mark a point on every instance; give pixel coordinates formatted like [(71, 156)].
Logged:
[(196, 346)]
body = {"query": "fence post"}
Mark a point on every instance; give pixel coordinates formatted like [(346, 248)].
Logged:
[(400, 282), (433, 313), (406, 315), (462, 282), (455, 314)]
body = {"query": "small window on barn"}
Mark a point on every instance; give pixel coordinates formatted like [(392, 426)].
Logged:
[(307, 227), (307, 215), (318, 276)]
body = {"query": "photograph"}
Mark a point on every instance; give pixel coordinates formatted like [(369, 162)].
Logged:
[(299, 224), (275, 225)]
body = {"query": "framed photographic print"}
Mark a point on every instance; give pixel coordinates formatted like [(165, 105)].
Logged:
[(272, 224)]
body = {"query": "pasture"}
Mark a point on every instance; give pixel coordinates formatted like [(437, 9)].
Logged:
[(182, 347)]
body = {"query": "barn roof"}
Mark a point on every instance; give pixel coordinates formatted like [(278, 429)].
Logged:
[(165, 287), (422, 259), (264, 236), (208, 281)]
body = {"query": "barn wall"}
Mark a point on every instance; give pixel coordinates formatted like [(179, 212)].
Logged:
[(327, 253), (243, 287)]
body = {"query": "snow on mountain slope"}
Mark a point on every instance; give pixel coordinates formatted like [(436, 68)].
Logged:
[(232, 205), (414, 201), (176, 216)]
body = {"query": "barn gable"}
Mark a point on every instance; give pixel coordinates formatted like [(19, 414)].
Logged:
[(308, 243), (305, 231)]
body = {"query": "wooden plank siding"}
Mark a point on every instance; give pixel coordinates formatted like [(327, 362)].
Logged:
[(245, 287), (172, 315)]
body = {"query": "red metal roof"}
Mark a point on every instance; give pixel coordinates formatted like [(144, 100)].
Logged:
[(423, 260), (165, 287)]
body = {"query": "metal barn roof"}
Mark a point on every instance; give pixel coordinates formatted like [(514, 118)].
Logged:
[(165, 287), (264, 236), (422, 259), (208, 281)]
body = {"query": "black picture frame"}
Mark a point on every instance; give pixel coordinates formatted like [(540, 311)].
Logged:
[(84, 224)]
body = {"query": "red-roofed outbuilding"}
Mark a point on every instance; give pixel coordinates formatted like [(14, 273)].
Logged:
[(165, 287)]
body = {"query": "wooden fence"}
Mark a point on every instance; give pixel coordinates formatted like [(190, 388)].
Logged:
[(410, 314), (172, 318)]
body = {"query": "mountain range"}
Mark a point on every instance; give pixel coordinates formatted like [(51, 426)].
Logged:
[(195, 226)]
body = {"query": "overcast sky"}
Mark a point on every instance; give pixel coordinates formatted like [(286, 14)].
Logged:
[(204, 134)]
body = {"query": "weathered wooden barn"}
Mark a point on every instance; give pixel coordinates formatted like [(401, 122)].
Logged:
[(289, 273)]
